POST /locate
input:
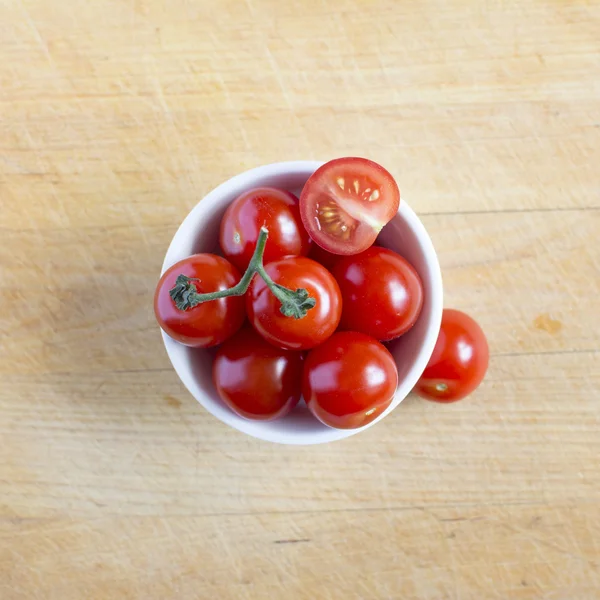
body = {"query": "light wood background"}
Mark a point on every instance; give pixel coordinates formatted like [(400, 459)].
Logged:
[(116, 118)]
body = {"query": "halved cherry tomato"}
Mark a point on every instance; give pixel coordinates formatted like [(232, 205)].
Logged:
[(287, 332), (349, 380), (207, 324), (255, 379), (459, 360), (346, 202), (275, 209), (382, 294)]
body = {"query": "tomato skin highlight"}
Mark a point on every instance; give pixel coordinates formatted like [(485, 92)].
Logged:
[(255, 379), (459, 361), (209, 323), (278, 211), (286, 332), (382, 293), (346, 202), (349, 380)]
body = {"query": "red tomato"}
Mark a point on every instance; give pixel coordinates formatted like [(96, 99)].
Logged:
[(286, 332), (255, 379), (349, 380), (346, 202), (381, 292), (206, 324), (275, 209), (459, 360)]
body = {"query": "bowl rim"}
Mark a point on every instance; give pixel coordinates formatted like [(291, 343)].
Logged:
[(247, 179)]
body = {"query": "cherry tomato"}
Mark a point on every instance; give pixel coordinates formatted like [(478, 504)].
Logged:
[(206, 324), (346, 202), (275, 209), (382, 294), (255, 379), (287, 332), (349, 380), (459, 360)]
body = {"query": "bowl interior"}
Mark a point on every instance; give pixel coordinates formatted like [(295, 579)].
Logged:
[(405, 234)]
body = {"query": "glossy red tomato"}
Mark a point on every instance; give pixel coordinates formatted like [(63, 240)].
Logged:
[(287, 332), (459, 360), (346, 202), (206, 324), (382, 294), (255, 379), (275, 209), (349, 380)]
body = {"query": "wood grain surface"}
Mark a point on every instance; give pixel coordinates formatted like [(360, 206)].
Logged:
[(116, 118)]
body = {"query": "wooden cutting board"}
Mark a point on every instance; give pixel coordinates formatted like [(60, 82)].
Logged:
[(116, 118)]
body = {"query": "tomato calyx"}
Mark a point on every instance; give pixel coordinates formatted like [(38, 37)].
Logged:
[(184, 293), (294, 303)]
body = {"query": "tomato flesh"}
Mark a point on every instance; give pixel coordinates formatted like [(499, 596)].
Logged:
[(286, 332), (255, 379), (346, 202), (206, 324), (382, 294), (459, 360), (275, 209), (349, 380)]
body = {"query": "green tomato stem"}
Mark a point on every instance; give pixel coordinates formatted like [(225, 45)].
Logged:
[(293, 303)]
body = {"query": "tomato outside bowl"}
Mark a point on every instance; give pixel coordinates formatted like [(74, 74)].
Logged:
[(404, 234)]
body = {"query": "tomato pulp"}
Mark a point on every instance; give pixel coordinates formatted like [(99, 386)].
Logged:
[(346, 202)]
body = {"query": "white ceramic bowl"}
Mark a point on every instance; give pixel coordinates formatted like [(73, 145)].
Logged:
[(405, 234)]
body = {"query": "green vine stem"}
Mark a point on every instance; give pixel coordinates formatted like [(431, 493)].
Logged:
[(294, 303)]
